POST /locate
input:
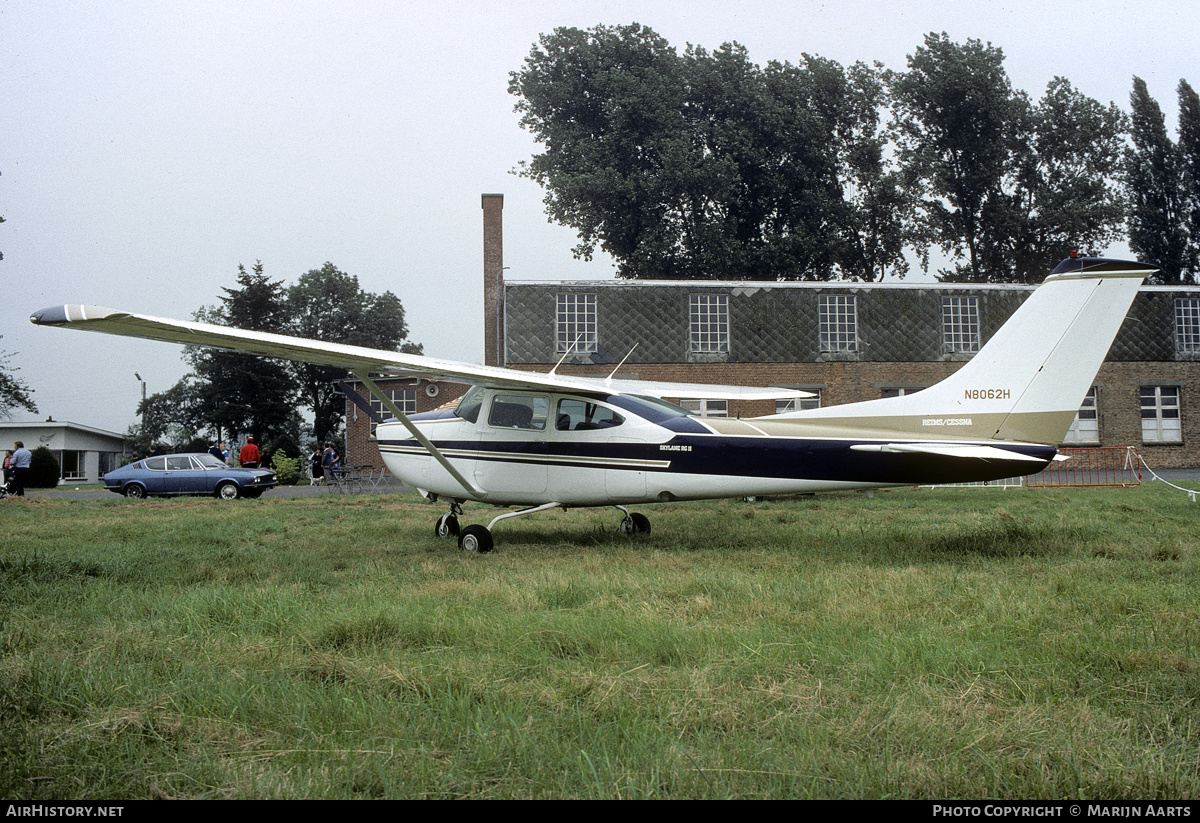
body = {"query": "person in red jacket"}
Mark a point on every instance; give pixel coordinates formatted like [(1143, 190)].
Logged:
[(248, 457)]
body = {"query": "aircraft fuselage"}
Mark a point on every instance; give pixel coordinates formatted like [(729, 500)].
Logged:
[(525, 448)]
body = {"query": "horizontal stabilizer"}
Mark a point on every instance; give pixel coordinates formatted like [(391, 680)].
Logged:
[(964, 450)]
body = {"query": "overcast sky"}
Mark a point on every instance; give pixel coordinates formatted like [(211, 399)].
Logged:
[(150, 147)]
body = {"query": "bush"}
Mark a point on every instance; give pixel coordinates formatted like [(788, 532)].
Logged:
[(44, 470), (287, 470)]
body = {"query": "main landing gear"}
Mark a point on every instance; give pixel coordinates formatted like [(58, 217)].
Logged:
[(478, 539)]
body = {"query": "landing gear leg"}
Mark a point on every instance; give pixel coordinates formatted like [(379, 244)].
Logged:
[(447, 524), (635, 523), (479, 538)]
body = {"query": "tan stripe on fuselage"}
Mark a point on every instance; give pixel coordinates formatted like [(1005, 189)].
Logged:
[(1034, 427)]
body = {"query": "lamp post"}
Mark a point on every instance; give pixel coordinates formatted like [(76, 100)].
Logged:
[(143, 382)]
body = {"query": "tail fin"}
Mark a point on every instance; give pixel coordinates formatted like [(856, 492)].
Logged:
[(1028, 382)]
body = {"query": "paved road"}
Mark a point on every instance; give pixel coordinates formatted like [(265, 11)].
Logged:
[(395, 487)]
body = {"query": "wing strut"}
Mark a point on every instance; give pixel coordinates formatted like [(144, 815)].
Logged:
[(415, 432)]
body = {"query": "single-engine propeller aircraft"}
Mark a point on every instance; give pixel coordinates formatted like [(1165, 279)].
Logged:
[(543, 441)]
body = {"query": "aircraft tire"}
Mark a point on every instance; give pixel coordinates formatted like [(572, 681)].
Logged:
[(476, 539), (447, 526), (636, 523)]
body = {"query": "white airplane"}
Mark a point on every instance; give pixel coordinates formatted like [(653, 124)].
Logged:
[(543, 441)]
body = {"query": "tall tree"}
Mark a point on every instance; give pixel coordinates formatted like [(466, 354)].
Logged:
[(1154, 180), (954, 115), (240, 393), (174, 416), (700, 165), (1189, 150), (1005, 186), (1062, 192), (880, 213), (14, 392), (328, 304)]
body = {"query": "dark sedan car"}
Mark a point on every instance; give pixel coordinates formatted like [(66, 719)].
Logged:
[(173, 474)]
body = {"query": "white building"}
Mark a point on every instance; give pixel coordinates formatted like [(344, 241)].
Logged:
[(84, 453)]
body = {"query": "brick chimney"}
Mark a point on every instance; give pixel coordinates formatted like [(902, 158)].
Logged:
[(493, 279)]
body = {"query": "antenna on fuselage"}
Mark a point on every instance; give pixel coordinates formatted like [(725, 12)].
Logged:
[(567, 353), (613, 373)]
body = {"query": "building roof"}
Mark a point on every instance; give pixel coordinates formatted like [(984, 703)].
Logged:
[(74, 435)]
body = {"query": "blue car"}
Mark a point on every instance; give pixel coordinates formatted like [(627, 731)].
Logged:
[(175, 474)]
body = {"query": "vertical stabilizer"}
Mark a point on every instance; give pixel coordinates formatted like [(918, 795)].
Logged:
[(1028, 381)]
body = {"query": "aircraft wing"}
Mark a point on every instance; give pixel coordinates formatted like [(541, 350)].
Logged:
[(360, 359)]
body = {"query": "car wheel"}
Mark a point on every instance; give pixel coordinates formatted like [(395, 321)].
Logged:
[(228, 491), (135, 492)]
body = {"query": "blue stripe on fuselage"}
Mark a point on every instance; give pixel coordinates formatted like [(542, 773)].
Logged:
[(793, 458)]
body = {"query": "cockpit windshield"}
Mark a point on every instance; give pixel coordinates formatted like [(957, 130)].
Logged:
[(468, 408)]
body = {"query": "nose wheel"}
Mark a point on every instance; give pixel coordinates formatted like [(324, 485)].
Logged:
[(634, 523), (447, 524)]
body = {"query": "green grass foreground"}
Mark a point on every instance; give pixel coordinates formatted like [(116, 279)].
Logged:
[(914, 644)]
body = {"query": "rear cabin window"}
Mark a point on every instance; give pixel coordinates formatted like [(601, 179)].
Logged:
[(579, 415), (156, 464)]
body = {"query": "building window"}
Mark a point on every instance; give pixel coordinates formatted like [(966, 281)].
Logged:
[(1085, 428), (897, 391), (838, 322), (708, 316), (71, 464), (576, 324), (799, 403), (405, 400), (706, 408), (109, 461), (1187, 325), (1160, 414), (960, 324)]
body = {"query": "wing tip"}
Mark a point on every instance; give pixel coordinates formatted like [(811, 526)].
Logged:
[(66, 314)]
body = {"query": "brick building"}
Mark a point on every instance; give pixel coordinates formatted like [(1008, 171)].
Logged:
[(844, 342)]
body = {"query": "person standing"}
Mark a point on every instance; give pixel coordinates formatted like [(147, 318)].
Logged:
[(21, 461), (248, 457), (329, 462)]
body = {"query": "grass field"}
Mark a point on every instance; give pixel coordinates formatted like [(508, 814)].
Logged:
[(913, 644)]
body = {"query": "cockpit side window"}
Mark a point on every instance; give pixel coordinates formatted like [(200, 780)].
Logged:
[(580, 415), (468, 408)]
